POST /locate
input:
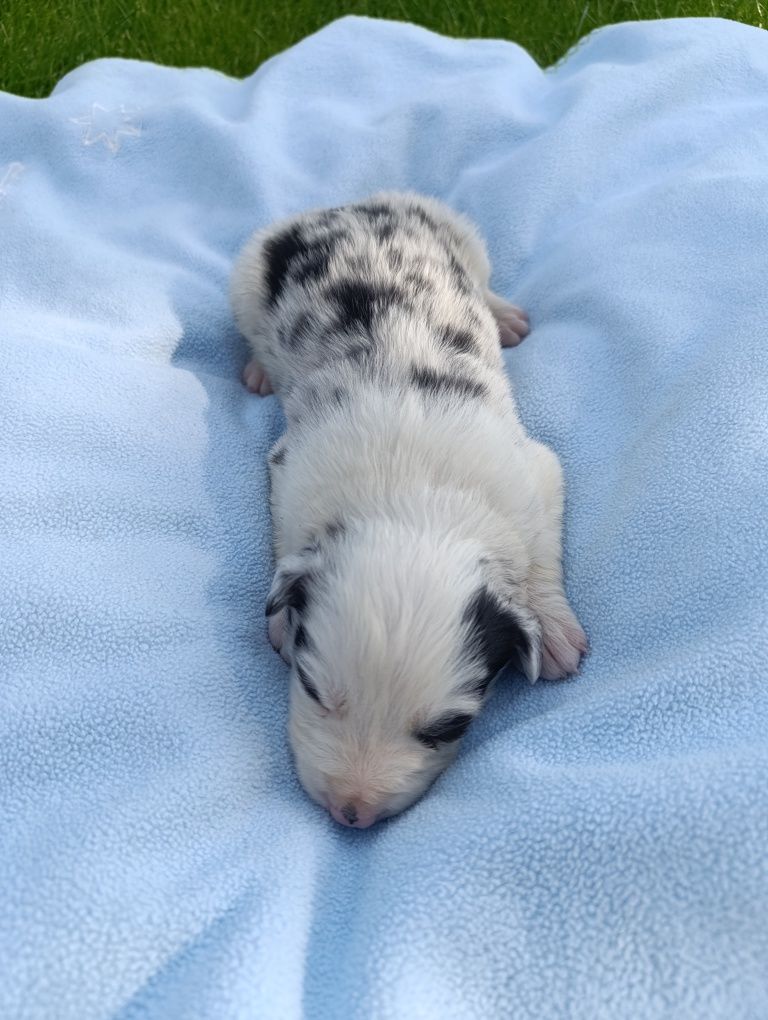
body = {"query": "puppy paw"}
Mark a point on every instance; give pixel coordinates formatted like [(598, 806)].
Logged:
[(512, 321), (276, 631), (256, 379), (513, 326), (563, 644)]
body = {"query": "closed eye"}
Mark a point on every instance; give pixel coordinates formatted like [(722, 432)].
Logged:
[(444, 730), (308, 686)]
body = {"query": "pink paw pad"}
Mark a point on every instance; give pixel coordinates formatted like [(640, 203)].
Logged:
[(256, 379), (513, 325)]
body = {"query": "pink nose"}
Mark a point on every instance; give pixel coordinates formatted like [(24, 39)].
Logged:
[(354, 814)]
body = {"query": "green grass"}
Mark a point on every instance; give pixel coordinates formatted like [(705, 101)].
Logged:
[(40, 40)]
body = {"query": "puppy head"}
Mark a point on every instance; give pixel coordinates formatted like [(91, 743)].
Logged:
[(393, 639)]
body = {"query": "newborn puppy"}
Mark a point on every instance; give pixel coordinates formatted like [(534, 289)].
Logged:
[(417, 528)]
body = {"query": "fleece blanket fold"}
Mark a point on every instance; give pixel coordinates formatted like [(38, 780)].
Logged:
[(599, 848)]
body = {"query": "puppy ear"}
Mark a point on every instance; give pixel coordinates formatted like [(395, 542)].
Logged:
[(289, 587), (504, 635)]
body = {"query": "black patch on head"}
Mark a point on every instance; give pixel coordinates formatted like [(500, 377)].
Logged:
[(444, 730), (495, 632), (278, 456), (358, 301), (280, 252), (439, 383), (292, 592), (460, 340), (339, 396)]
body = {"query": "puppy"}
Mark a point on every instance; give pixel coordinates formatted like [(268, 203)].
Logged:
[(417, 528)]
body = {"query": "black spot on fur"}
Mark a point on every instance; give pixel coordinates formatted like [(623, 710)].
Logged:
[(307, 684), (323, 399), (478, 688), (384, 230), (358, 352), (359, 301), (444, 730), (291, 591), (439, 383), (335, 529), (328, 216), (395, 258), (278, 456), (381, 217), (301, 330), (460, 275), (280, 252), (495, 632), (416, 280), (315, 265), (460, 340), (300, 637), (315, 259), (423, 217), (376, 210)]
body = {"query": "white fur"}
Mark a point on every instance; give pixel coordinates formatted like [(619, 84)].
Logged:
[(437, 496)]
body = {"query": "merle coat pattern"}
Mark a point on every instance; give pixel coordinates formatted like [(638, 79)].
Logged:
[(417, 527)]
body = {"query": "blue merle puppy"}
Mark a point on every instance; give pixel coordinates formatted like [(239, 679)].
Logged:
[(417, 527)]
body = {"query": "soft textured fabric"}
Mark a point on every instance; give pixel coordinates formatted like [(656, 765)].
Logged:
[(599, 848)]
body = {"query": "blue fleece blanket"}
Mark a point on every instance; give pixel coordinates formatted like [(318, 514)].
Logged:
[(599, 848)]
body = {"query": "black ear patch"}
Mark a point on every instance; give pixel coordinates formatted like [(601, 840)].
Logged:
[(288, 589), (444, 730), (497, 633)]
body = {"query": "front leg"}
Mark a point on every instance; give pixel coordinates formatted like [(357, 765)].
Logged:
[(278, 622), (256, 379), (563, 640)]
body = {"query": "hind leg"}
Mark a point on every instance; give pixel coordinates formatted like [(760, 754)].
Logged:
[(256, 379), (563, 640), (511, 320)]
